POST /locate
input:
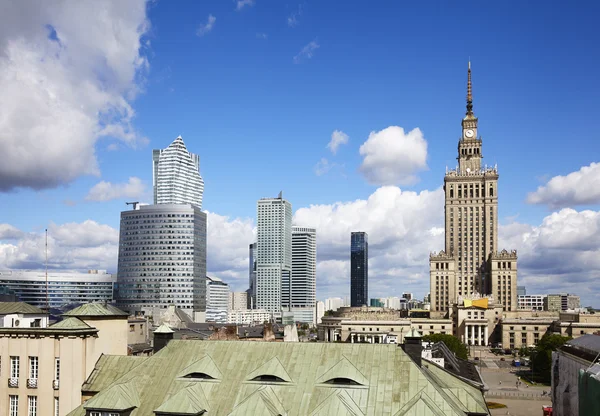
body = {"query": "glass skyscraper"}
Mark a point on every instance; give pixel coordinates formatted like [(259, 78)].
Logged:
[(162, 259), (359, 269), (176, 175)]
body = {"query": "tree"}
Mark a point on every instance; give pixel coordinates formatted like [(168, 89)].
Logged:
[(542, 356), (453, 343)]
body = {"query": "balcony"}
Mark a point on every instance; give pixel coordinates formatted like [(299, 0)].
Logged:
[(55, 384), (32, 383), (13, 382)]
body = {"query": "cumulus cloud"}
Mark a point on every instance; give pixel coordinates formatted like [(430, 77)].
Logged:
[(72, 246), (306, 52), (204, 28), (560, 255), (8, 232), (107, 191), (240, 4), (392, 157), (68, 74), (338, 138), (577, 188)]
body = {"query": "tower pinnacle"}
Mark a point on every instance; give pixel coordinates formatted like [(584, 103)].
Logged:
[(469, 93)]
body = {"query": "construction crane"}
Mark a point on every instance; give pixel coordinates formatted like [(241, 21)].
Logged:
[(135, 204)]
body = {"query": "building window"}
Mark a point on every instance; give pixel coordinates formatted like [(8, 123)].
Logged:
[(32, 405), (131, 328), (56, 406), (14, 367), (33, 368), (57, 369), (14, 405)]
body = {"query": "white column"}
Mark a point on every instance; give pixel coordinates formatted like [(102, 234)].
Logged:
[(473, 334), (485, 334), (480, 327)]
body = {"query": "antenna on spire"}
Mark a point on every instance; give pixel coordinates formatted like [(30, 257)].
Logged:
[(469, 92)]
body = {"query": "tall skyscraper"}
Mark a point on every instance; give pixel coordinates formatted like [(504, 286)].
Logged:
[(162, 259), (470, 262), (176, 175), (274, 251), (217, 300), (302, 292), (359, 269), (252, 276)]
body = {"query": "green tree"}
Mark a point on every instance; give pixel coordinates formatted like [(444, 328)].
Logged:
[(542, 356), (451, 342)]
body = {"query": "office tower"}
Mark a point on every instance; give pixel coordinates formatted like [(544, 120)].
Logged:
[(252, 277), (333, 304), (302, 293), (162, 259), (176, 175), (359, 269), (238, 301), (217, 300), (470, 262), (274, 252)]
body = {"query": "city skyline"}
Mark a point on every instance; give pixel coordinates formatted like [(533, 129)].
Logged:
[(358, 137)]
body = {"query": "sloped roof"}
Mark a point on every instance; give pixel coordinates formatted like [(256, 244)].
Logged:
[(163, 329), (96, 309), (189, 401), (70, 323), (393, 383), (119, 397), (18, 307), (109, 368)]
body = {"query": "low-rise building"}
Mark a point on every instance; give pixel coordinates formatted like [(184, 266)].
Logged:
[(249, 316), (22, 315), (44, 367), (531, 302), (271, 378), (561, 302), (570, 363), (524, 332), (574, 324)]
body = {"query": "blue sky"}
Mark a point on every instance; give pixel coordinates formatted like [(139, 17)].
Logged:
[(260, 113)]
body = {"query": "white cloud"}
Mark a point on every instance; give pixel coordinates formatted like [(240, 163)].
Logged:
[(338, 138), (240, 4), (560, 255), (107, 191), (68, 73), (8, 232), (577, 188), (322, 167), (306, 52), (292, 20), (72, 246), (392, 157), (262, 36), (204, 28)]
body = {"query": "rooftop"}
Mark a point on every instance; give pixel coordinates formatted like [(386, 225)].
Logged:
[(96, 309), (242, 378), (19, 307)]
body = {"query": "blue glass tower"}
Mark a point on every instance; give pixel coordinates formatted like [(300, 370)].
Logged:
[(359, 269)]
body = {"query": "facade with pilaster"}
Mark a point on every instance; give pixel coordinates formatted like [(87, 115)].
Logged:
[(471, 228)]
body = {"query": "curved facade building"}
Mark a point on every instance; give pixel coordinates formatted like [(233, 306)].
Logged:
[(162, 258), (64, 288), (176, 175)]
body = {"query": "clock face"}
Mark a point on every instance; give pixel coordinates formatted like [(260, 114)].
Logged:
[(469, 133)]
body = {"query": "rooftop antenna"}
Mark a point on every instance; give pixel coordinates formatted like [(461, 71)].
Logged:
[(47, 301), (280, 196), (135, 204)]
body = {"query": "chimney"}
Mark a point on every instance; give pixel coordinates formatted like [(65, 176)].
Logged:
[(162, 335), (412, 346)]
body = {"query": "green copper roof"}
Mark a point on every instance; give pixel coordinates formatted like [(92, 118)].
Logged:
[(118, 397), (108, 369), (298, 379), (96, 309), (18, 307), (70, 323), (413, 333)]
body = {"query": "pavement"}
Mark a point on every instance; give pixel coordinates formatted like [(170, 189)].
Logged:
[(519, 407)]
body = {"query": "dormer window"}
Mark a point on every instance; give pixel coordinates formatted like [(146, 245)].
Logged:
[(268, 378), (343, 381), (199, 376)]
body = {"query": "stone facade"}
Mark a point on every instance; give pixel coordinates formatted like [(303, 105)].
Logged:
[(471, 227)]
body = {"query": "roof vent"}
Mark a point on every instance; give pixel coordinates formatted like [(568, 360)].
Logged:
[(199, 376), (343, 381), (269, 378)]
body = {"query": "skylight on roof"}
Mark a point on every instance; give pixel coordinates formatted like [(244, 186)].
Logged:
[(199, 376), (269, 378), (343, 381)]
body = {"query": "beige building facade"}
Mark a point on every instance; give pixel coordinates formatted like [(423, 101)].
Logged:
[(471, 227), (44, 368)]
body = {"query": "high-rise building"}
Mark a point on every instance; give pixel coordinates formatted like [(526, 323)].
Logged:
[(251, 297), (359, 269), (471, 262), (176, 175), (162, 259), (561, 302), (301, 294), (333, 304), (238, 301), (217, 300), (273, 252)]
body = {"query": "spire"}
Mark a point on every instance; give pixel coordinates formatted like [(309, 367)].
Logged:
[(469, 93)]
